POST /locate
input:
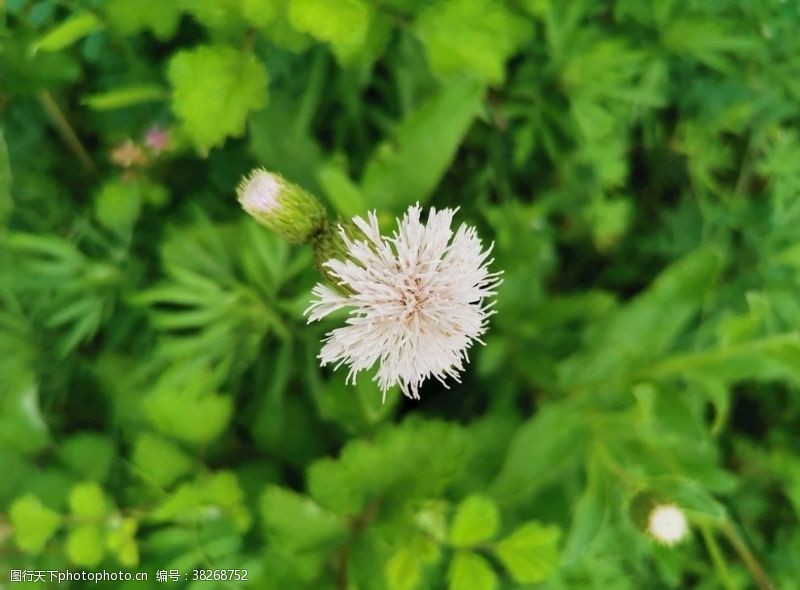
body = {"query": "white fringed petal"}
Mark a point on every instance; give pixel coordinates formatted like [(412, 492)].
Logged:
[(416, 300)]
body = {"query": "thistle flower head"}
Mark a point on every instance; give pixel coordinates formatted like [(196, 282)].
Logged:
[(667, 524), (281, 206), (416, 300)]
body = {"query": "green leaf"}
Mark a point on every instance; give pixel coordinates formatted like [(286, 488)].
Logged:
[(343, 24), (6, 201), (189, 411), (215, 88), (67, 32), (530, 553), (408, 167), (475, 36), (470, 571), (298, 523), (121, 541), (403, 570), (85, 545), (33, 523), (541, 447), (476, 520), (159, 460), (117, 205), (590, 514), (645, 327), (21, 423), (87, 501), (88, 454), (126, 96), (157, 16), (342, 192)]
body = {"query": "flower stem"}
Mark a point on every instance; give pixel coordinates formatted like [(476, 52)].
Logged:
[(748, 557), (66, 130), (717, 558)]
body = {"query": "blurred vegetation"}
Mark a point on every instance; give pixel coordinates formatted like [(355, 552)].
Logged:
[(161, 406)]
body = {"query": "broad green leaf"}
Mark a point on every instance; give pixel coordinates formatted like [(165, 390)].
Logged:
[(67, 32), (21, 423), (590, 514), (342, 192), (214, 90), (189, 412), (540, 449), (87, 501), (208, 499), (85, 545), (160, 460), (403, 570), (476, 520), (33, 523), (530, 553), (476, 36), (408, 166), (260, 13), (645, 327), (121, 541), (470, 571), (157, 16), (117, 205), (343, 24), (298, 523), (88, 454), (126, 96)]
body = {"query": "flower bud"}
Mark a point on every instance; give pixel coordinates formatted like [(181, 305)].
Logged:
[(281, 206)]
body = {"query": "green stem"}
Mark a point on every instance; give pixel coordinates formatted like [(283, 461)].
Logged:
[(717, 558), (66, 130), (748, 557)]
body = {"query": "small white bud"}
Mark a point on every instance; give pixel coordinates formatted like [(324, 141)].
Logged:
[(281, 206), (667, 524)]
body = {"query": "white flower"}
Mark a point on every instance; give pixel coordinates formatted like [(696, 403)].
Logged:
[(416, 300), (667, 524)]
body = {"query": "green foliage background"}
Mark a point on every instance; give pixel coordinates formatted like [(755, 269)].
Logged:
[(636, 164)]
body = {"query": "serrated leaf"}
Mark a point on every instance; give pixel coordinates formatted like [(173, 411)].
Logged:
[(343, 24), (190, 410), (215, 88), (157, 16), (477, 520), (298, 523), (67, 32), (85, 545), (408, 167), (403, 570), (33, 523), (530, 553), (121, 541), (470, 571), (87, 501), (159, 460), (475, 36), (89, 454)]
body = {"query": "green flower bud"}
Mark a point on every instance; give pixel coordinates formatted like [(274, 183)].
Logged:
[(328, 244), (281, 206)]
